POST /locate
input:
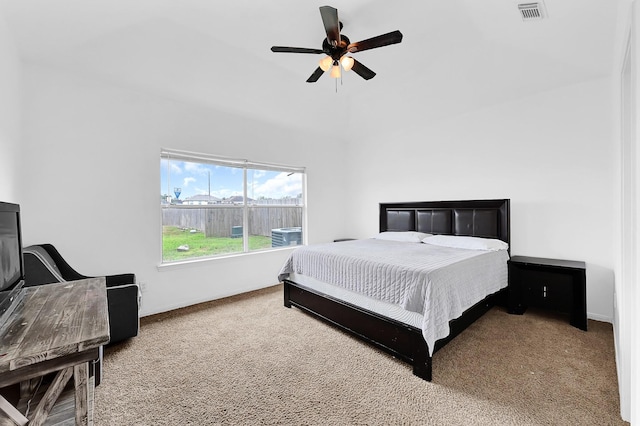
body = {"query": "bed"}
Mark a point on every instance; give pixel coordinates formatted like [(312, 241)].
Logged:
[(348, 283)]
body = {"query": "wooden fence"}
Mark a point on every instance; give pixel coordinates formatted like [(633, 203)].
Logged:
[(218, 221)]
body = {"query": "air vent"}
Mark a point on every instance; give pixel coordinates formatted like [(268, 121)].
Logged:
[(531, 11)]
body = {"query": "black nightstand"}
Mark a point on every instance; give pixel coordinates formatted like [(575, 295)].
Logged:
[(554, 284)]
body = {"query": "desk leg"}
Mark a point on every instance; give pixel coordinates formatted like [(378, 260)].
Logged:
[(50, 397), (81, 381)]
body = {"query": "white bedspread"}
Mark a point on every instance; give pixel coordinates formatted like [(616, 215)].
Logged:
[(438, 282)]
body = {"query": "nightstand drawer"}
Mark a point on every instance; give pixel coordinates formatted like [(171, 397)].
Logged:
[(547, 290)]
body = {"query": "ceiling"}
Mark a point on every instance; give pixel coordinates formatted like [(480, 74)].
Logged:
[(456, 55)]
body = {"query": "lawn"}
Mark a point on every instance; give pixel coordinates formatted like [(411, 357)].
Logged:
[(200, 246)]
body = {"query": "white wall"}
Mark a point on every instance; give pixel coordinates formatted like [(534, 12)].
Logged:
[(10, 115), (91, 181), (551, 154)]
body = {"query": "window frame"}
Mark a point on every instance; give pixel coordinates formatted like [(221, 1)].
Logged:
[(245, 165)]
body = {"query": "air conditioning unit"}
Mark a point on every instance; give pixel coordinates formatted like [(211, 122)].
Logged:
[(236, 232), (281, 237)]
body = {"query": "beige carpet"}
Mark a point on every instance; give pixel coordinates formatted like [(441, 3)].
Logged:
[(248, 360)]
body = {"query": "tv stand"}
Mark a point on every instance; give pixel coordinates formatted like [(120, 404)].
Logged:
[(58, 328)]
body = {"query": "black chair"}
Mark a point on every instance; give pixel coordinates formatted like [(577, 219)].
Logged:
[(43, 264)]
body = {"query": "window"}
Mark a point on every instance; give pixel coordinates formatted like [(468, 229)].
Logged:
[(214, 206)]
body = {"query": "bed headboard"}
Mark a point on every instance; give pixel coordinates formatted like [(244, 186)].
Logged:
[(476, 218)]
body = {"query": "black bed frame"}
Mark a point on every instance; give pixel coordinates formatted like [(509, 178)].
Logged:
[(479, 218)]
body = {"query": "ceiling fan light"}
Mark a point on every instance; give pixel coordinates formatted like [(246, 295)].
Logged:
[(325, 63), (335, 71), (347, 62)]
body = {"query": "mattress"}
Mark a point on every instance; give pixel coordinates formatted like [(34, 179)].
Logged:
[(421, 285)]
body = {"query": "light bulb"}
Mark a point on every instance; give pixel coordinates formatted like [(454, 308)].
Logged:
[(347, 62), (325, 63), (335, 71)]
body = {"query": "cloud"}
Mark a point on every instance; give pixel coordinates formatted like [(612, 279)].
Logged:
[(186, 181), (172, 166), (278, 186), (196, 168), (176, 169)]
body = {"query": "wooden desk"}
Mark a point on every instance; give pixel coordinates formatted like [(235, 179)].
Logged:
[(54, 328)]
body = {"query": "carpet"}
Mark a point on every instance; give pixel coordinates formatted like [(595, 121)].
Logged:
[(247, 359)]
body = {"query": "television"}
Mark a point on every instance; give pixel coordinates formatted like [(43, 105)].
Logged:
[(11, 261)]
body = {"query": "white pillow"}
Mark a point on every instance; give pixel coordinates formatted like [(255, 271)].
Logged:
[(406, 236), (472, 243)]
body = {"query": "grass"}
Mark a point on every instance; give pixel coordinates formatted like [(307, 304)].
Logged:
[(200, 245)]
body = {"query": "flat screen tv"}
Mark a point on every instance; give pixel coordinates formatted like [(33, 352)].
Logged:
[(11, 262)]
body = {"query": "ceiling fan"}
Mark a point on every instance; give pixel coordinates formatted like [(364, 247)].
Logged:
[(337, 47)]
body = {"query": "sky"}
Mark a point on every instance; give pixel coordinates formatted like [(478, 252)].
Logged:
[(223, 182)]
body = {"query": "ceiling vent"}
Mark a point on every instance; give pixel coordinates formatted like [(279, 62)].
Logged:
[(532, 11)]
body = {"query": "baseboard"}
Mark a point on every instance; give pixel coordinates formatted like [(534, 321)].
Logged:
[(198, 301), (598, 317)]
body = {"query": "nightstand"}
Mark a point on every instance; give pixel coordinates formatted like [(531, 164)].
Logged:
[(555, 284)]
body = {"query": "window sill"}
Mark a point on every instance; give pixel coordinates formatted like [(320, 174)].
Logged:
[(207, 260)]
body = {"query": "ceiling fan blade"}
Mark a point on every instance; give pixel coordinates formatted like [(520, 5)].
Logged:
[(331, 24), (315, 76), (379, 41), (362, 71), (285, 49)]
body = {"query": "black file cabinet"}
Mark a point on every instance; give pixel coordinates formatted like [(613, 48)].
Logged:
[(555, 284)]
